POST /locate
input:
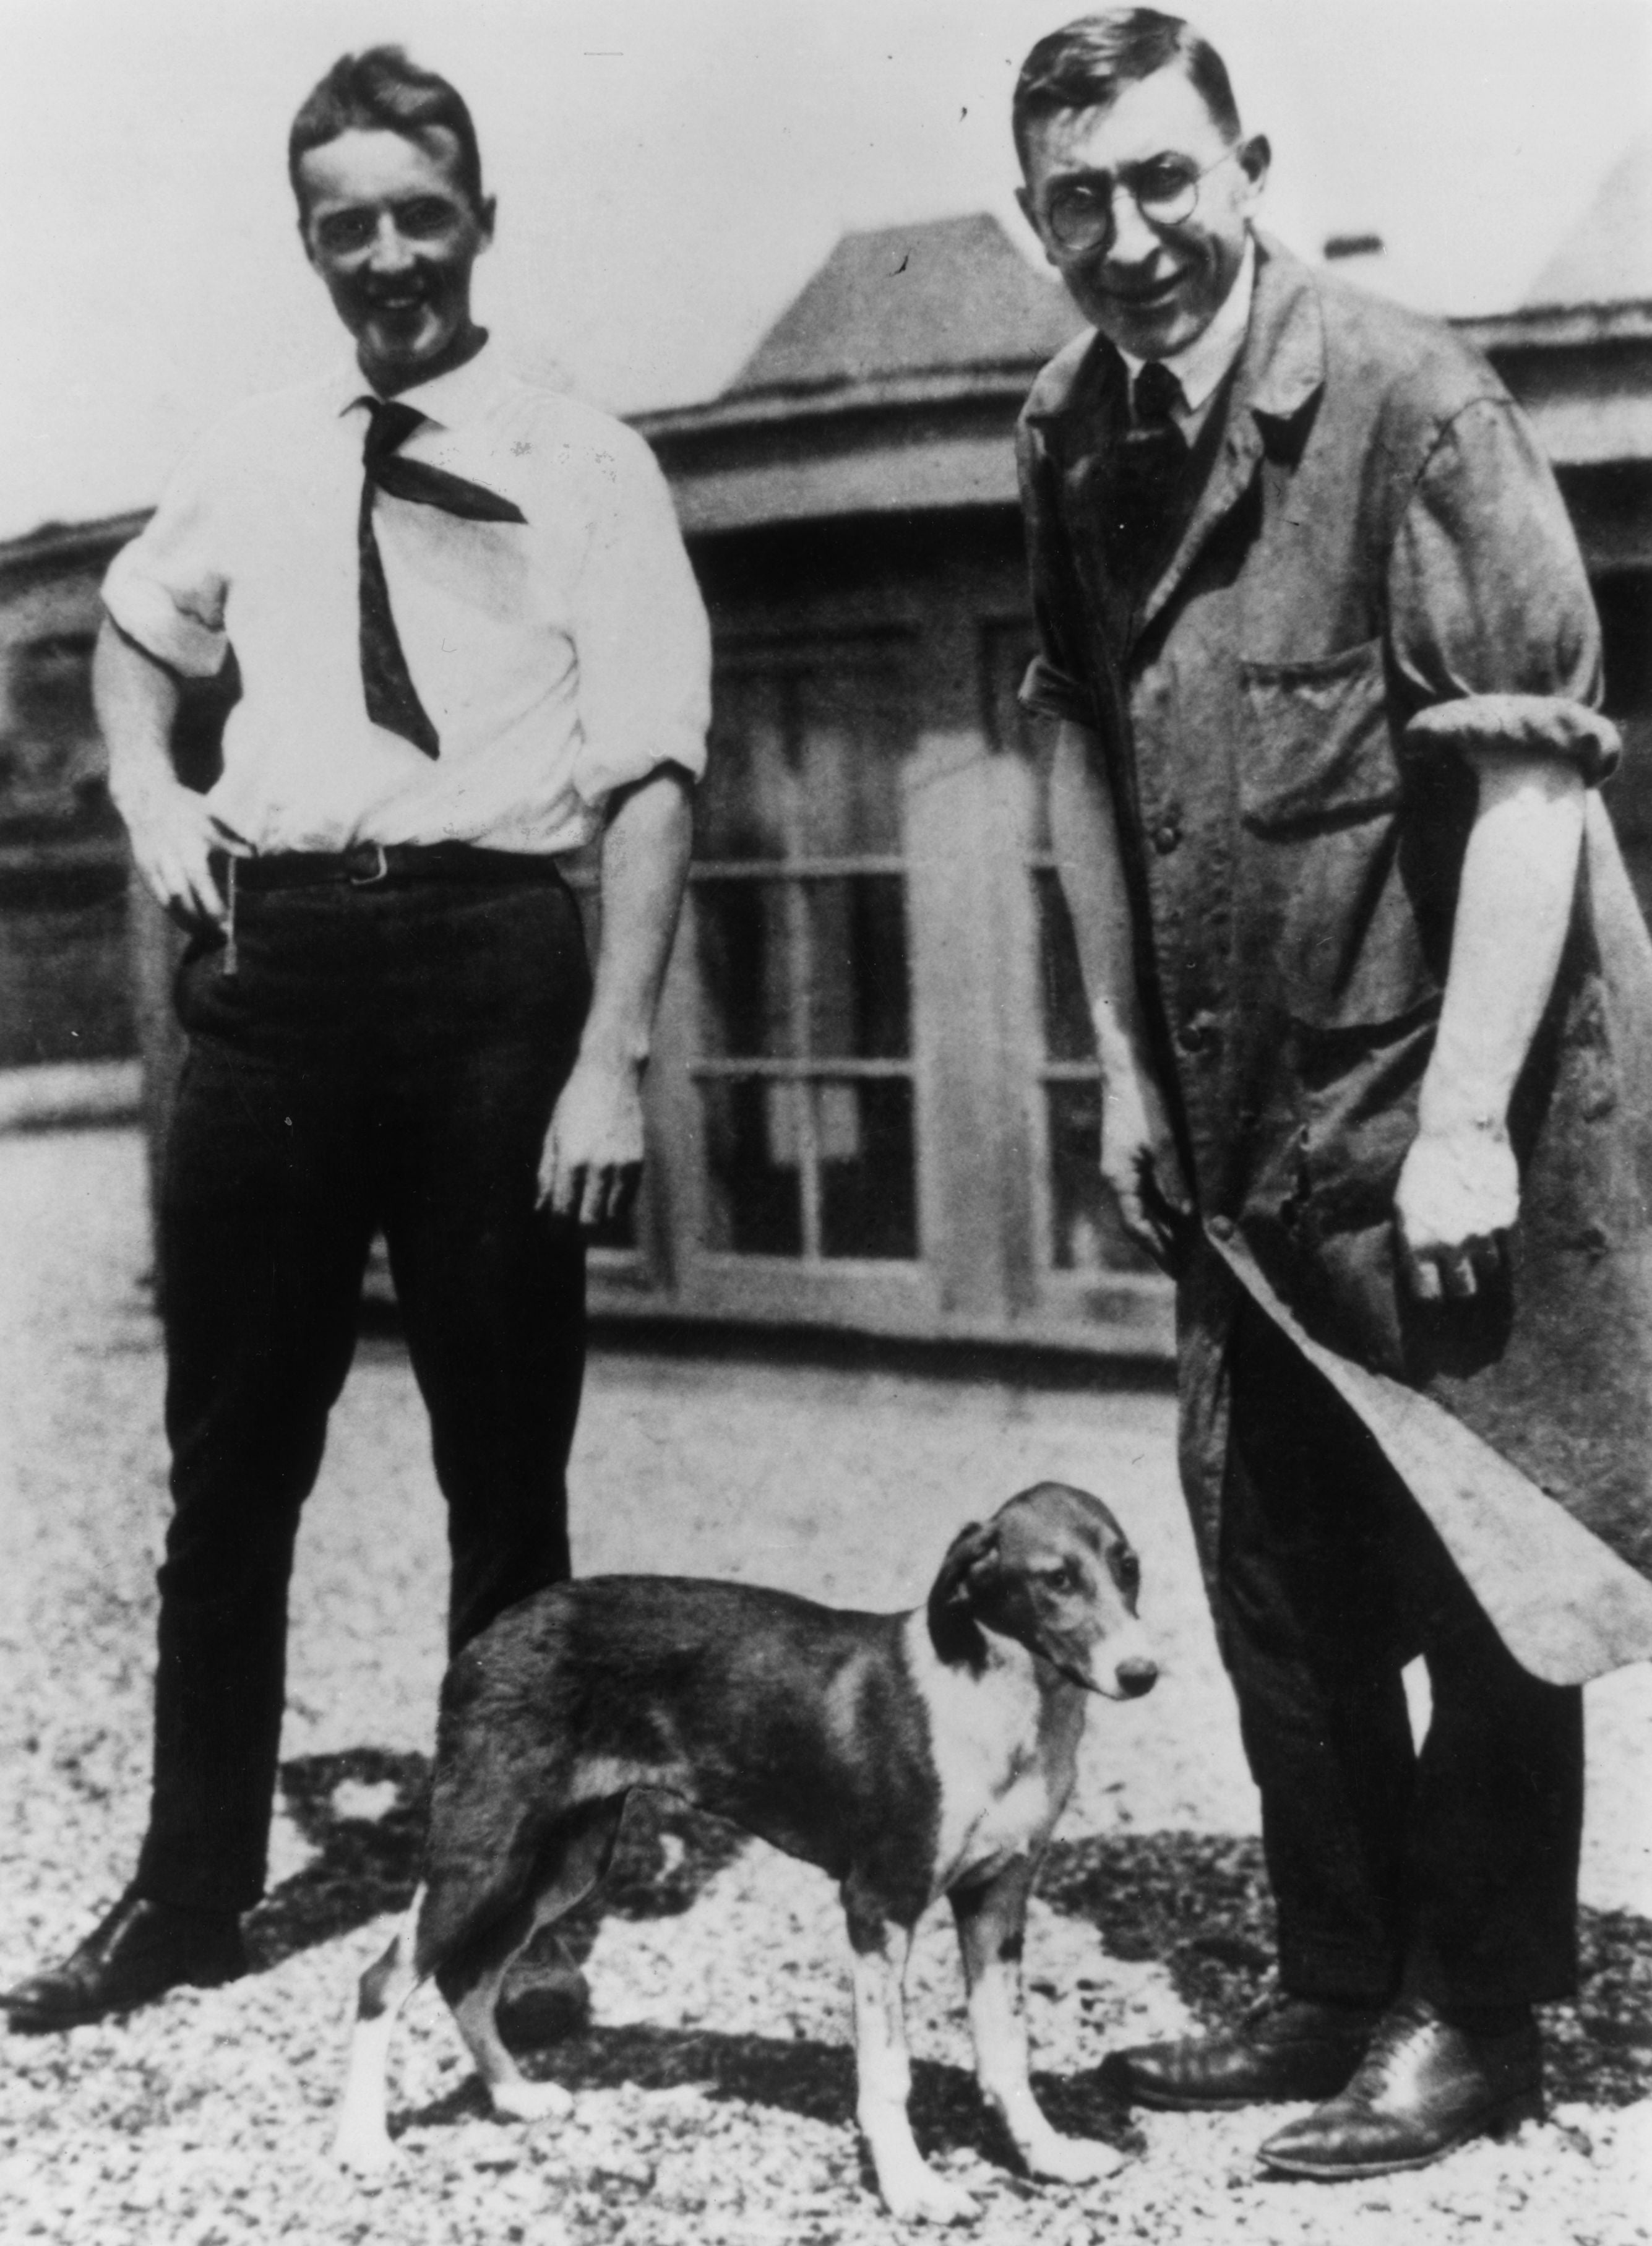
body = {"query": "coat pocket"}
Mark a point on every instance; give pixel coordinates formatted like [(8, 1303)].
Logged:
[(1318, 751), (1321, 797)]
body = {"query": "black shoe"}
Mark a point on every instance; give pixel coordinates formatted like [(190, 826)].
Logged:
[(1424, 2087), (137, 1953), (546, 1996), (1285, 2047)]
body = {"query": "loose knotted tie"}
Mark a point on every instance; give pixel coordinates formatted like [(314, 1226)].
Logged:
[(1155, 398), (393, 699), (1151, 455)]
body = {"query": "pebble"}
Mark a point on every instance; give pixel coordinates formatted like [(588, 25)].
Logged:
[(205, 2120)]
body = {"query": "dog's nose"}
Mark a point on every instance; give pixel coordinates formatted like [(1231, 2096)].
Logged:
[(1136, 1677)]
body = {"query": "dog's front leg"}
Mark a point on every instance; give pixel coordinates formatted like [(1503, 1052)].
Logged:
[(912, 2191), (991, 1919)]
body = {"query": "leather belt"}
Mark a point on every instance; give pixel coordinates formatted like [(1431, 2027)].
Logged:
[(373, 865)]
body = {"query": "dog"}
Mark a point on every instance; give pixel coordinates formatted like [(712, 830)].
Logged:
[(908, 1755)]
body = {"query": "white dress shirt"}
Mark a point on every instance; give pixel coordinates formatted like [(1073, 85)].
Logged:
[(1202, 366), (558, 658)]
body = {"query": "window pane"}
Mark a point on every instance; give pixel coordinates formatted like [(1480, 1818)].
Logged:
[(852, 731), (1086, 1235), (748, 973), (754, 1167), (860, 1004), (1068, 1032), (869, 1196), (744, 806)]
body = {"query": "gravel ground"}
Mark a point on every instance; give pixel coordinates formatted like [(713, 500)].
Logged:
[(715, 2089)]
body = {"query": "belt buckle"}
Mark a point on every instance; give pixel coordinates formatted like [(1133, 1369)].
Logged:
[(376, 863)]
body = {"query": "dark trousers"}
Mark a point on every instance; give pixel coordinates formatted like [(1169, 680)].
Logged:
[(382, 1058), (1450, 1871)]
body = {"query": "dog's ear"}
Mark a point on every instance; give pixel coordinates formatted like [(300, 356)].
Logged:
[(971, 1563)]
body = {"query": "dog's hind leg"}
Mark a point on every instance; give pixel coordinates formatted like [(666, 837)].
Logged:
[(569, 1866), (362, 2137), (912, 2191), (991, 1920)]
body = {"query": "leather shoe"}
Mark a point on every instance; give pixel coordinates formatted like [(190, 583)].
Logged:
[(1285, 2047), (138, 1952), (546, 1996), (1424, 2087)]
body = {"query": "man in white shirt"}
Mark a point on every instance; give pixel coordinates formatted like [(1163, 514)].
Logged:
[(468, 639)]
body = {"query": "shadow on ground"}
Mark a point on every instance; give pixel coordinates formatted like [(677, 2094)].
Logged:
[(1196, 1903), (365, 1865), (814, 2080)]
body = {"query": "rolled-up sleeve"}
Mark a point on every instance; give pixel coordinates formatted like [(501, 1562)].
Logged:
[(166, 590), (1491, 622), (641, 635)]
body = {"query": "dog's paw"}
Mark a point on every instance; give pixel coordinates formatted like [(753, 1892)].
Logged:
[(919, 2196), (531, 2101), (1072, 2160)]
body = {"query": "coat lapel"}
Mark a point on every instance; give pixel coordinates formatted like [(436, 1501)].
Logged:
[(1281, 370)]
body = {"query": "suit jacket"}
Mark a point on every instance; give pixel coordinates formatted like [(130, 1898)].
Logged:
[(1378, 571)]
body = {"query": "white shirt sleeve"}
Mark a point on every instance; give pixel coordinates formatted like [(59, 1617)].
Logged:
[(639, 633), (166, 590)]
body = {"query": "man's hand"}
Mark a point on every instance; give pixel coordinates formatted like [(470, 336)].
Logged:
[(593, 1154), (1458, 1195), (172, 835), (1140, 1164)]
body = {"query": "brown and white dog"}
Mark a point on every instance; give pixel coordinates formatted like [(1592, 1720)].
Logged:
[(909, 1755)]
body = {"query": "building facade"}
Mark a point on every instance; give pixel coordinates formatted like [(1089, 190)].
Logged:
[(874, 1103)]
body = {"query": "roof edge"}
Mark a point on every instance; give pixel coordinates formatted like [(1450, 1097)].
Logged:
[(71, 541), (985, 382)]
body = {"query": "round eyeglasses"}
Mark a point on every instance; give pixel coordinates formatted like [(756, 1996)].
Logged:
[(1080, 213)]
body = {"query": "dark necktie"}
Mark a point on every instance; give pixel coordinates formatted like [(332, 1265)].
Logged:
[(393, 699), (1151, 455)]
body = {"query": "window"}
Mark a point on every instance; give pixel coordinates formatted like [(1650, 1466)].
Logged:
[(803, 1048), (51, 760), (51, 687)]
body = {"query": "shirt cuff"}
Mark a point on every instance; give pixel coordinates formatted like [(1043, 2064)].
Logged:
[(1047, 692), (1525, 725), (147, 613), (601, 770)]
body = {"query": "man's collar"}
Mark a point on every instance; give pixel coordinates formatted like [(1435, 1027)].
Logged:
[(1201, 366), (451, 400), (1281, 360)]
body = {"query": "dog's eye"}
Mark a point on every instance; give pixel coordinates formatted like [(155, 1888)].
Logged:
[(1058, 1578), (1127, 1569)]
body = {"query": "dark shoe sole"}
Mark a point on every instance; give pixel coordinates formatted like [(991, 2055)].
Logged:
[(1165, 2102), (1327, 2082), (1502, 2122), (31, 2019)]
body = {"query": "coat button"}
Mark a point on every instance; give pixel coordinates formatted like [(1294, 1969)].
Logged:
[(1166, 837), (1222, 1228), (1193, 1037)]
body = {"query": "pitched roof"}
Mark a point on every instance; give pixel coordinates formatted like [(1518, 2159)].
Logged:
[(1606, 259), (942, 296)]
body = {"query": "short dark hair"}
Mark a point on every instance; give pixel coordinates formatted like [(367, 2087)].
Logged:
[(379, 90), (1086, 64)]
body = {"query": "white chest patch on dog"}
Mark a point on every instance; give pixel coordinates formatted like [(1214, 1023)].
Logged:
[(1004, 1752)]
